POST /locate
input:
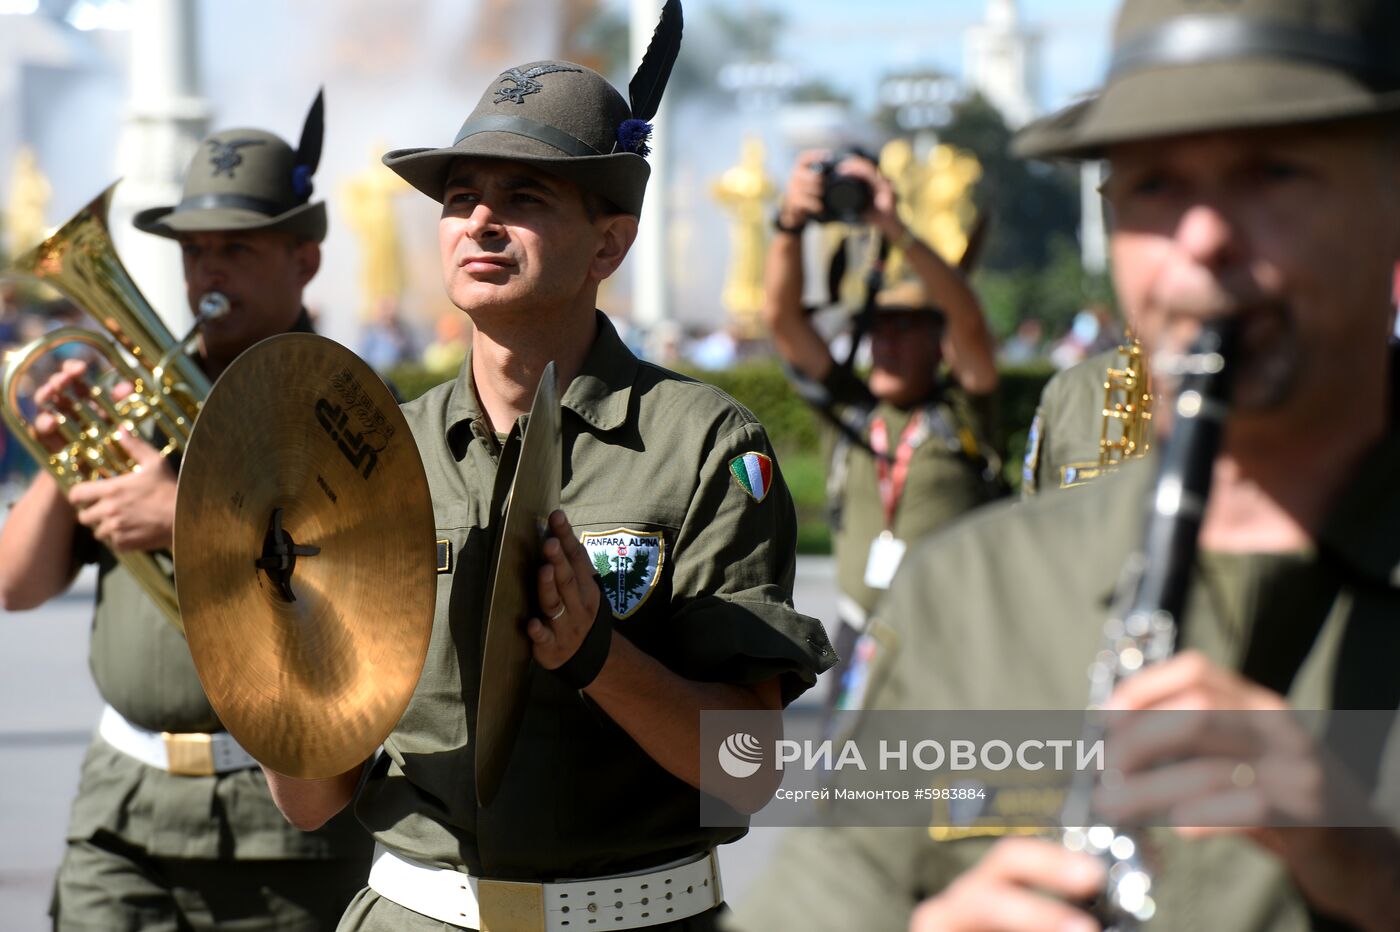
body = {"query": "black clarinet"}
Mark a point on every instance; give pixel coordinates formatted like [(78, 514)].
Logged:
[(1150, 597)]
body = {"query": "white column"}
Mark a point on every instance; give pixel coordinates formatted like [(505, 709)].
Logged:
[(650, 297), (1093, 234), (166, 116)]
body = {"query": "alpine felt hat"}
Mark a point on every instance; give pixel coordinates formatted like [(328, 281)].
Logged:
[(248, 179), (905, 297), (565, 119), (1189, 66)]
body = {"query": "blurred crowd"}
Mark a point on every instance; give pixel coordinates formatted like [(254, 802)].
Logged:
[(1093, 330), (389, 340)]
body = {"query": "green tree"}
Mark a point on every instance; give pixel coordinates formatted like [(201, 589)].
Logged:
[(1030, 203), (817, 91), (1052, 294)]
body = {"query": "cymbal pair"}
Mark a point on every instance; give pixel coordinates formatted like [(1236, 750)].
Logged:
[(306, 565)]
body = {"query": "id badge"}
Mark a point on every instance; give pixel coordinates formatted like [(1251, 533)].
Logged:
[(885, 553)]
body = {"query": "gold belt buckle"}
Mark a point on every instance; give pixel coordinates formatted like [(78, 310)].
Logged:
[(510, 906), (189, 755)]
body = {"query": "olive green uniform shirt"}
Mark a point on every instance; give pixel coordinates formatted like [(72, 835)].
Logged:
[(143, 668), (646, 452), (943, 484), (1006, 612), (1062, 448)]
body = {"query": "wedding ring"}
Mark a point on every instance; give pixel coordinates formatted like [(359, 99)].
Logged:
[(556, 616)]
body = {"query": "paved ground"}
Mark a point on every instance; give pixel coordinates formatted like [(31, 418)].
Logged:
[(48, 707)]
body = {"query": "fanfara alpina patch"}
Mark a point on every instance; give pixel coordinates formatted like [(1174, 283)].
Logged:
[(754, 473), (628, 564)]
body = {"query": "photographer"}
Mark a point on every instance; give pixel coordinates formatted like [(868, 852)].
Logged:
[(906, 458)]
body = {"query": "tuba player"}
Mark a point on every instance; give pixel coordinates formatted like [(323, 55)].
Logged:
[(173, 827)]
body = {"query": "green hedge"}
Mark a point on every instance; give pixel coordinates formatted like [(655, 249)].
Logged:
[(412, 380), (796, 430), (761, 386), (1020, 394)]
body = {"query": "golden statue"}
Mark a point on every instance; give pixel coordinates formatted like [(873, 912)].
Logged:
[(945, 200), (935, 199), (29, 201), (367, 199), (897, 163), (746, 191)]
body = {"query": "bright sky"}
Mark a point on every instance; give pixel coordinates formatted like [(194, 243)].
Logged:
[(851, 43)]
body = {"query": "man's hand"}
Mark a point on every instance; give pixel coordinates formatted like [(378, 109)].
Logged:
[(802, 199), (1021, 885), (883, 214), (1215, 763), (1242, 773), (135, 511), (310, 804), (800, 345), (57, 392), (567, 595)]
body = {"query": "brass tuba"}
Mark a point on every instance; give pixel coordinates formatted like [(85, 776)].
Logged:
[(1127, 402), (167, 387)]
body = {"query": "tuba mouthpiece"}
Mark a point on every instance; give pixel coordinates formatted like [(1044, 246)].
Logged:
[(212, 306)]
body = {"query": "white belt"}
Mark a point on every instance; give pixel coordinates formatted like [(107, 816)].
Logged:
[(634, 901), (186, 755)]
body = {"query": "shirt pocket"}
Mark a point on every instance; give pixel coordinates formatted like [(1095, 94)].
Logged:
[(632, 562), (457, 618)]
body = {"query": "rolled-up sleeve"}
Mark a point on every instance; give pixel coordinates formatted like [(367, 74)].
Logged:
[(733, 619)]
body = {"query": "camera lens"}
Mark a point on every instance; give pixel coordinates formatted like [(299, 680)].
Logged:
[(846, 199)]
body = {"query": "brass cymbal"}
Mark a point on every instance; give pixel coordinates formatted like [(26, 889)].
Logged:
[(505, 661), (305, 555)]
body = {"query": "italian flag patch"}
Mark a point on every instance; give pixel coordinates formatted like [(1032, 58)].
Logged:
[(754, 473)]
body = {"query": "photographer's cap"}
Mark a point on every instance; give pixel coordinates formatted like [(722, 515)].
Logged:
[(248, 179), (905, 297), (564, 118), (1190, 66)]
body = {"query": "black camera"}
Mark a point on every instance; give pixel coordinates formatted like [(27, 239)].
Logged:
[(845, 199)]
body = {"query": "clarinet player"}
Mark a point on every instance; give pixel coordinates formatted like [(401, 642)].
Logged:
[(1254, 176)]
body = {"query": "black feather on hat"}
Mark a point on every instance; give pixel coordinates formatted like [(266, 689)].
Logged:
[(564, 118), (248, 179)]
